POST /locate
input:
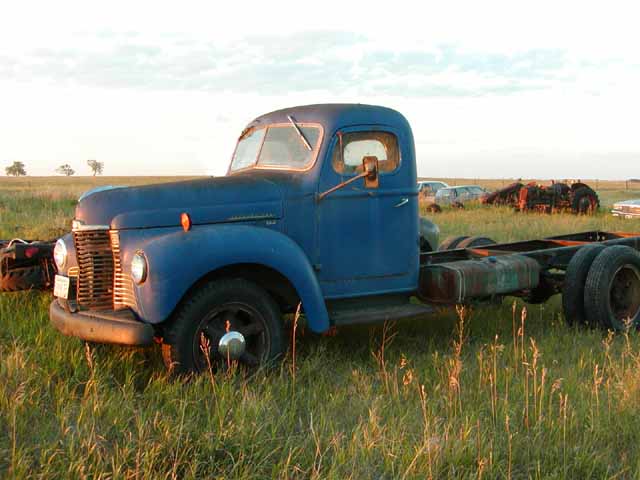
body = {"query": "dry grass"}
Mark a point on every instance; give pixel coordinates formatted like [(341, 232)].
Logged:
[(494, 392)]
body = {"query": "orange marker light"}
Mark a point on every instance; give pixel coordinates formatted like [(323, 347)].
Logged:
[(185, 220)]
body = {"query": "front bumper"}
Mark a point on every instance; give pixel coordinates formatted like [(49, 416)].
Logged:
[(101, 327)]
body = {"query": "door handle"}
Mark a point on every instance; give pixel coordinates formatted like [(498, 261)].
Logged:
[(402, 202)]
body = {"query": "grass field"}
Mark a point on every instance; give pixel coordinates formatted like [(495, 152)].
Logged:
[(498, 392)]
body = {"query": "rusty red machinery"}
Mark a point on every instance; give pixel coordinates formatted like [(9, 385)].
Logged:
[(26, 265), (575, 197)]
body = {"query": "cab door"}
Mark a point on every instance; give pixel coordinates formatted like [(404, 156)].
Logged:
[(367, 238)]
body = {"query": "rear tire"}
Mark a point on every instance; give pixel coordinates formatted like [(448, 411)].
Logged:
[(574, 283), (451, 243), (612, 289), (214, 309), (476, 241)]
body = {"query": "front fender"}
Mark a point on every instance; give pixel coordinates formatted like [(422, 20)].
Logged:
[(179, 259)]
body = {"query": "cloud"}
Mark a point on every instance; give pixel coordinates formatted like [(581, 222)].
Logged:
[(331, 61)]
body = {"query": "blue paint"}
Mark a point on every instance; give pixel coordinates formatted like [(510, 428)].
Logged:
[(355, 242)]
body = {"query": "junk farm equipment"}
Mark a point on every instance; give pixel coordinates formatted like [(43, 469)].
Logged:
[(26, 265), (576, 197)]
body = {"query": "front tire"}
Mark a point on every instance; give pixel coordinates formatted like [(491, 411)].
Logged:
[(216, 308)]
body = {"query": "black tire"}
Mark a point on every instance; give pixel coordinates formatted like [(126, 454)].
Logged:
[(246, 307), (22, 278), (476, 241), (451, 243), (612, 289), (585, 201), (574, 281), (457, 205), (433, 208)]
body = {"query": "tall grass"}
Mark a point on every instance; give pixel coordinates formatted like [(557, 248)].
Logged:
[(504, 391)]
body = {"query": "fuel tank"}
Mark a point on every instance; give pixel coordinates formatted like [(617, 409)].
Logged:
[(465, 280)]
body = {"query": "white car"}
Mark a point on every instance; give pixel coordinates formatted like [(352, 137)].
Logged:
[(627, 209)]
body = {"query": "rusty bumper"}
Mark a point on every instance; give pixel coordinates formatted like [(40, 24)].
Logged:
[(101, 327)]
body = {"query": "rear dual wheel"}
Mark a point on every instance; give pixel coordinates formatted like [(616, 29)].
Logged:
[(224, 320), (574, 283), (602, 287), (612, 289)]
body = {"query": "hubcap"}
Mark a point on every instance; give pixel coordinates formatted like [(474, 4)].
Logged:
[(232, 331), (232, 345)]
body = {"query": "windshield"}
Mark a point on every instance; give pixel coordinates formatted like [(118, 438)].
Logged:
[(277, 146)]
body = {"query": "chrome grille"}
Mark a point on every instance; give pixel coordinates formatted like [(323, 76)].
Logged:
[(102, 285), (95, 265), (123, 295)]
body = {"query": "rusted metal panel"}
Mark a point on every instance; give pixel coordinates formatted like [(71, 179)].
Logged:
[(462, 281)]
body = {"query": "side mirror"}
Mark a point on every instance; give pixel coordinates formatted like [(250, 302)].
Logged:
[(369, 173), (370, 168)]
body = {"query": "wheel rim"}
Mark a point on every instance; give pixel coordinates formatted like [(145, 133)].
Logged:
[(624, 294), (231, 317)]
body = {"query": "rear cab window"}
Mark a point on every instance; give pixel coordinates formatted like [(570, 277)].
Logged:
[(352, 147)]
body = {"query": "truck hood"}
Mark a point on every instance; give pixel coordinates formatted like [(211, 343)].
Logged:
[(209, 200)]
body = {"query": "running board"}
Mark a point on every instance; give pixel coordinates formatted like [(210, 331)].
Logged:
[(378, 314)]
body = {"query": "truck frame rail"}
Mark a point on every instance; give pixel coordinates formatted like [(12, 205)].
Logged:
[(532, 269)]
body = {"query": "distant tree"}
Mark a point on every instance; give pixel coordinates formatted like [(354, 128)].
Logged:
[(96, 167), (65, 170), (16, 170)]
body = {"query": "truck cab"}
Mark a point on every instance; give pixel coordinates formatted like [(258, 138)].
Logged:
[(318, 213), (360, 240)]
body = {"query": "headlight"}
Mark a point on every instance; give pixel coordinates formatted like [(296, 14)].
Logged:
[(139, 268), (60, 254)]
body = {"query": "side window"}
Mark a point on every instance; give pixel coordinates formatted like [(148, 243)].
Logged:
[(348, 159)]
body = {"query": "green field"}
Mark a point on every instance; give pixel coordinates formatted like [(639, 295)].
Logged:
[(495, 392)]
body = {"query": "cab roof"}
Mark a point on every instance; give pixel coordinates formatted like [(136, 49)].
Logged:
[(333, 116)]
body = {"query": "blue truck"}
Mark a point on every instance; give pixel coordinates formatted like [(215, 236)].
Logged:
[(319, 211)]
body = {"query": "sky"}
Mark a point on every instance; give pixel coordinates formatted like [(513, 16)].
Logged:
[(492, 89)]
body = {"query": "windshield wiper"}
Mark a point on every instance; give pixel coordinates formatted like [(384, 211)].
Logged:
[(300, 134)]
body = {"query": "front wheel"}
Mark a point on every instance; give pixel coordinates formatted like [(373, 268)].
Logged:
[(224, 320)]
